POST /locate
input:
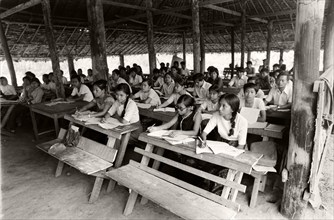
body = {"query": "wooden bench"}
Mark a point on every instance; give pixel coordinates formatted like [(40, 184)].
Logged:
[(89, 157), (181, 198)]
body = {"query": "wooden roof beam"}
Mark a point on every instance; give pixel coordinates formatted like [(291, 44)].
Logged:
[(278, 13), (19, 8), (228, 11)]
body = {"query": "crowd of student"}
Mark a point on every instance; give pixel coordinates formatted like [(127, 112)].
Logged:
[(114, 97)]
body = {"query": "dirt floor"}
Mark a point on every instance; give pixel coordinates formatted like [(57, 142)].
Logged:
[(30, 190)]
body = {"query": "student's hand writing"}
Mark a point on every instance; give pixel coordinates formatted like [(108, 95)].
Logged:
[(174, 133), (103, 120), (152, 128), (203, 145)]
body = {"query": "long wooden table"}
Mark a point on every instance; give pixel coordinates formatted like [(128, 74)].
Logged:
[(120, 133), (55, 112), (10, 104)]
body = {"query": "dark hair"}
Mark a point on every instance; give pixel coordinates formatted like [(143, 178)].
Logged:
[(252, 78), (26, 78), (76, 77), (102, 84), (2, 77), (117, 72), (249, 62), (176, 62), (187, 100), (179, 81), (155, 71), (198, 77), (275, 65), (183, 63), (234, 102), (214, 88), (250, 86), (149, 82), (30, 75), (46, 75), (282, 73), (264, 70), (213, 69), (133, 70), (126, 89), (36, 80), (170, 74)]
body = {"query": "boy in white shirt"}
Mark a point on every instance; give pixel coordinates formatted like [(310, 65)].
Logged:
[(7, 90), (147, 94), (282, 94), (48, 85), (80, 91), (201, 89)]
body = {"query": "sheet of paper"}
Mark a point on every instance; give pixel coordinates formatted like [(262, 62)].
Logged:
[(176, 141), (93, 121), (167, 109), (200, 150), (159, 134), (260, 125), (273, 127), (220, 147), (110, 123), (251, 114), (143, 105), (264, 169), (58, 102), (206, 116)]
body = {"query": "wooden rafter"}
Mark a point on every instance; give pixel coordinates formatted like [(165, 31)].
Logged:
[(31, 40), (19, 8), (18, 39)]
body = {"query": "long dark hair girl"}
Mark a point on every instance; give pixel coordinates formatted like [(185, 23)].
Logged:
[(234, 102), (126, 89)]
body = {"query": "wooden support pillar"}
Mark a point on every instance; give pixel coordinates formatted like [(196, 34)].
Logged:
[(232, 51), (202, 46), (281, 51), (303, 113), (8, 56), (329, 38), (60, 92), (243, 33), (196, 35), (269, 36), (97, 39), (150, 37), (184, 46), (121, 59), (70, 63), (249, 55)]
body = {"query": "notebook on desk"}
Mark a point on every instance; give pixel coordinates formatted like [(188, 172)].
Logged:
[(167, 109), (217, 147), (273, 127)]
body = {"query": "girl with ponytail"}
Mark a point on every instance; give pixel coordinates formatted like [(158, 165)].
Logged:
[(231, 126)]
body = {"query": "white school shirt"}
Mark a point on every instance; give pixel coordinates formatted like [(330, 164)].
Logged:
[(166, 90), (224, 126), (239, 83), (136, 80), (259, 94), (203, 91), (280, 98), (50, 86), (64, 80), (155, 99), (257, 104), (84, 90), (210, 106), (175, 96), (121, 80), (131, 112), (8, 90), (185, 72)]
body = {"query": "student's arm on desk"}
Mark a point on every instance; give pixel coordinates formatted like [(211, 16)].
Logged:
[(167, 102), (163, 126), (107, 106), (88, 106), (197, 124), (263, 116)]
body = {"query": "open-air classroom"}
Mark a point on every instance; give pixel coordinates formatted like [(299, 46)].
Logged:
[(179, 139)]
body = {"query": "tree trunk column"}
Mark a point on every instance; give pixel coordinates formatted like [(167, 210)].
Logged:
[(243, 33), (249, 55), (184, 46), (281, 52), (8, 56), (97, 39), (306, 67), (121, 60), (60, 92), (150, 36), (196, 36), (269, 36), (329, 38), (232, 52), (70, 64), (202, 46)]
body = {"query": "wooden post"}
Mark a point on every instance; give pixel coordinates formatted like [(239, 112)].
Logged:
[(121, 60), (8, 56), (306, 67), (329, 37), (196, 35), (249, 55), (243, 33), (269, 36), (281, 51), (232, 51), (184, 46), (60, 92), (70, 64), (150, 37), (97, 39), (202, 46)]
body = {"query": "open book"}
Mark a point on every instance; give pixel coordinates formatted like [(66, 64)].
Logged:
[(143, 105), (167, 109), (164, 134), (110, 123), (217, 147), (260, 125)]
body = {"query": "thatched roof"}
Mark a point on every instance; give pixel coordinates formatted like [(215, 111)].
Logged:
[(125, 23)]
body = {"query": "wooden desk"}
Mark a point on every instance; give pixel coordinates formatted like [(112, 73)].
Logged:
[(121, 133), (55, 112), (162, 116), (10, 104), (279, 114)]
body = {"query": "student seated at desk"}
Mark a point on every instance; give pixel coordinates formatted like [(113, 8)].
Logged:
[(147, 94), (48, 86), (232, 127), (178, 91), (214, 77), (211, 105), (157, 78), (116, 79), (201, 87), (80, 91), (239, 79), (259, 92), (7, 91), (167, 88), (187, 121), (249, 100), (282, 94), (134, 78), (102, 100)]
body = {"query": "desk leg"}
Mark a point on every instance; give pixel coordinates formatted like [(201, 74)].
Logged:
[(119, 158), (34, 124), (55, 119), (96, 189), (255, 191), (5, 118)]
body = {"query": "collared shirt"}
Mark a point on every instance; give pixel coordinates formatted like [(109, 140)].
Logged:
[(155, 99), (135, 80), (250, 71), (50, 86), (209, 105), (259, 94), (131, 111), (203, 91), (185, 72), (175, 96), (84, 90), (121, 80), (36, 95), (280, 98), (167, 90), (8, 90), (238, 83), (257, 104)]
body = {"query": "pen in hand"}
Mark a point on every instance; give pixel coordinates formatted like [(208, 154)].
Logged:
[(149, 128)]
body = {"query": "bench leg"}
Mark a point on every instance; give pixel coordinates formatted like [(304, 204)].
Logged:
[(96, 189), (255, 192), (59, 169), (130, 203), (34, 124), (263, 183)]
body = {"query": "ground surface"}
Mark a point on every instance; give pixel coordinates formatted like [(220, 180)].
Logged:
[(30, 190)]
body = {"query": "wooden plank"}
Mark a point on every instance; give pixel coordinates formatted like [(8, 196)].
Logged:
[(196, 35), (187, 186), (329, 36), (175, 199), (150, 37), (191, 170), (243, 34), (234, 192), (226, 191), (19, 8)]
